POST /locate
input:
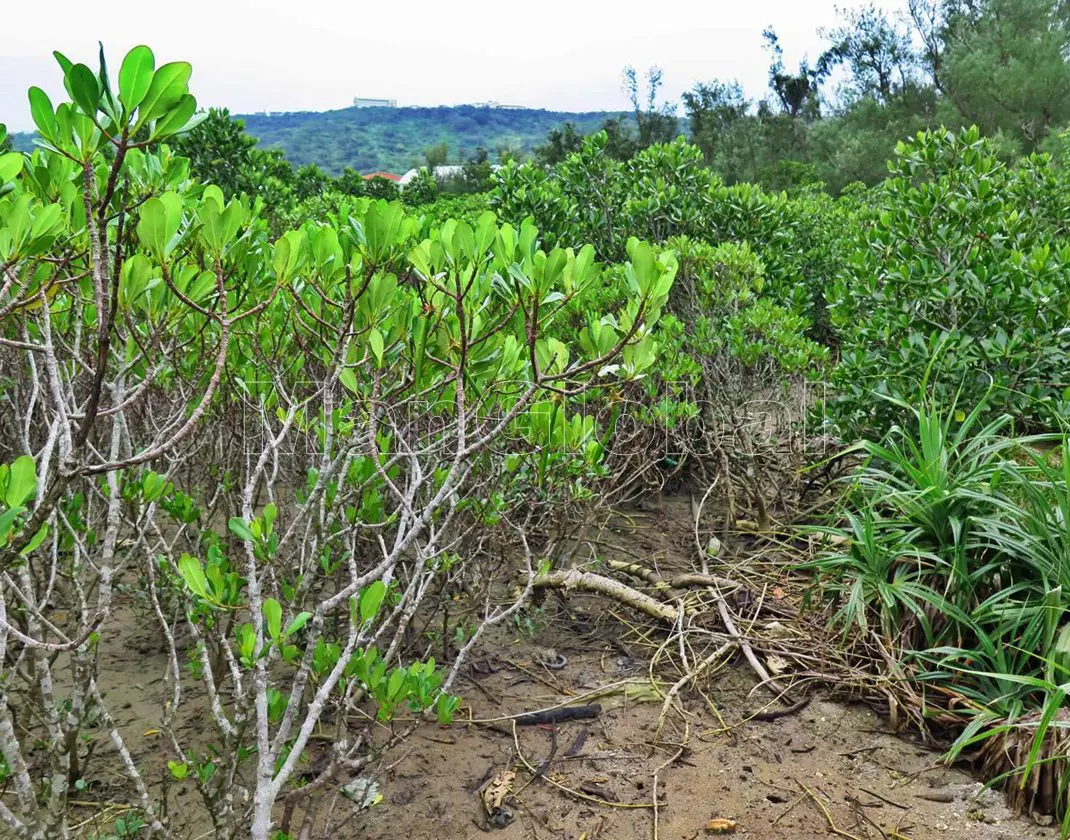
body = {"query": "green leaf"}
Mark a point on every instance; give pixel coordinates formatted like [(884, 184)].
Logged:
[(300, 621), (169, 84), (10, 166), (135, 280), (238, 527), (179, 770), (152, 486), (191, 123), (271, 513), (247, 641), (273, 618), (395, 683), (1060, 656), (21, 482), (193, 574), (85, 90), (371, 599), (48, 218), (44, 115), (217, 582), (135, 77), (38, 538), (176, 119), (1051, 707), (289, 254), (152, 226), (375, 341), (348, 378), (65, 63), (7, 519), (102, 74)]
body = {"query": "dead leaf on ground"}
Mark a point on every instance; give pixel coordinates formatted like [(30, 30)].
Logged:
[(720, 825), (495, 792), (776, 664)]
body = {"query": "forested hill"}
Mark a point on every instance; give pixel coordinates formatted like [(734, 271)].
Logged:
[(394, 139)]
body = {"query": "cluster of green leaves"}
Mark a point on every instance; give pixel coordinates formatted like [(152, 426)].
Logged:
[(748, 300), (216, 590), (958, 281), (18, 484), (666, 191), (731, 316), (465, 208), (151, 104), (223, 154)]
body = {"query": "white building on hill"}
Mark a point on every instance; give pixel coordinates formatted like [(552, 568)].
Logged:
[(358, 102)]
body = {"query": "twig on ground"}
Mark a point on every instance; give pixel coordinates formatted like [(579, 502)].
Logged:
[(677, 687), (885, 799), (774, 714), (573, 793), (833, 829)]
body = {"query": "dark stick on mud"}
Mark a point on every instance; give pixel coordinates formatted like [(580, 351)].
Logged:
[(577, 745), (559, 715), (774, 714)]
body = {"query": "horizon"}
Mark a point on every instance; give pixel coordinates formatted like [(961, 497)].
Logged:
[(404, 107), (448, 63)]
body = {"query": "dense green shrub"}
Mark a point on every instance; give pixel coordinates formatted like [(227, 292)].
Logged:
[(422, 189), (666, 191), (351, 182), (461, 207), (384, 188), (285, 445), (957, 281)]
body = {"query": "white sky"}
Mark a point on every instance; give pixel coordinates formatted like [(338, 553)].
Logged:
[(289, 55)]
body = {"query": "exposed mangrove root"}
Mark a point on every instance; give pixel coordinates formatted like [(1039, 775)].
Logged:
[(688, 678), (589, 582)]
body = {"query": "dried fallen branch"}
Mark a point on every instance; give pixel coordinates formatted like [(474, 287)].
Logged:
[(713, 585), (589, 582), (649, 575), (672, 586)]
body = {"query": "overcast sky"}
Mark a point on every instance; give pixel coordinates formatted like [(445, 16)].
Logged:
[(289, 55)]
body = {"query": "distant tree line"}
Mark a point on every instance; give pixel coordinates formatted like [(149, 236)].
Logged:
[(998, 64)]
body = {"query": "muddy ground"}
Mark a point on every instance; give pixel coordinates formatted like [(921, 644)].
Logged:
[(872, 783), (762, 776), (826, 769)]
